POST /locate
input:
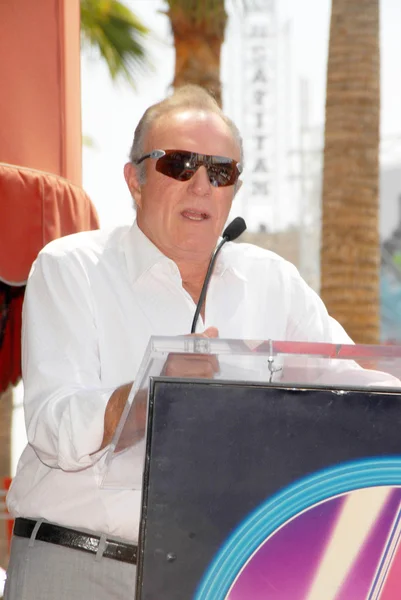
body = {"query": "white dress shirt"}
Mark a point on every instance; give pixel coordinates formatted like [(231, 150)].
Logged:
[(92, 302)]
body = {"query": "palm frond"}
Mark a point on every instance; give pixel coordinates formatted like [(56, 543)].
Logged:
[(87, 142), (118, 34)]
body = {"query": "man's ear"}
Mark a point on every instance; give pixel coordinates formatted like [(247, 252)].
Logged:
[(131, 177)]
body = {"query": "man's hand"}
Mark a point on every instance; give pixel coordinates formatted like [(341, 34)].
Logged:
[(114, 409), (177, 365), (134, 427), (202, 366)]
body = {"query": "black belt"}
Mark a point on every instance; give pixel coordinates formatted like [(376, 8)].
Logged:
[(63, 536)]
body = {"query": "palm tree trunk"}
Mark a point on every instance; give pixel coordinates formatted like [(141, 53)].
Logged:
[(350, 253), (198, 37)]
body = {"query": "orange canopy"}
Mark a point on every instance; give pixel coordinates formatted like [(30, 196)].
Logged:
[(36, 208)]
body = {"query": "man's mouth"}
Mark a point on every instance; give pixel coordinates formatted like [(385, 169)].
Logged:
[(195, 215)]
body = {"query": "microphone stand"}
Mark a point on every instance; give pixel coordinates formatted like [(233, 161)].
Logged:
[(231, 232), (206, 284)]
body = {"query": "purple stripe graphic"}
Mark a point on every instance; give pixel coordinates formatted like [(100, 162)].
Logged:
[(285, 565)]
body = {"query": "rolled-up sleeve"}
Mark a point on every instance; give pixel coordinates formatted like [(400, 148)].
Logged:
[(64, 399)]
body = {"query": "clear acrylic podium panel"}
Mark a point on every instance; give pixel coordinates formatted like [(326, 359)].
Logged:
[(289, 364)]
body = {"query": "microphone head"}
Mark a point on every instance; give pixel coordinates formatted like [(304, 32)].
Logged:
[(234, 229)]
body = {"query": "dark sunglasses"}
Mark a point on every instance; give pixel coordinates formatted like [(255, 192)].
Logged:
[(182, 165)]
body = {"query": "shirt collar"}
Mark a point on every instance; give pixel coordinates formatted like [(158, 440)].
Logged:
[(226, 262), (141, 255)]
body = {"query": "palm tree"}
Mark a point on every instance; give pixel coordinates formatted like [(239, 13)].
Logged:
[(198, 28), (114, 30), (350, 252)]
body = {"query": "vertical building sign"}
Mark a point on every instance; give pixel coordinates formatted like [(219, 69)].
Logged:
[(259, 45)]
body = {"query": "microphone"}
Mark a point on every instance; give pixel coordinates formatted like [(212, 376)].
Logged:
[(231, 232)]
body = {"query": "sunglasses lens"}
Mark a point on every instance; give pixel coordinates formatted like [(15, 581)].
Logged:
[(182, 165), (177, 165), (221, 175)]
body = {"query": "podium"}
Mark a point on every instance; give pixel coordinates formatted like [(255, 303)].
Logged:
[(279, 478)]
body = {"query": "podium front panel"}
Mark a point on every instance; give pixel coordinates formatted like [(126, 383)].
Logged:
[(254, 491)]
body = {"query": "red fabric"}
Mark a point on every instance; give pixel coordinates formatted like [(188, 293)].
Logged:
[(10, 342), (35, 208), (10, 521)]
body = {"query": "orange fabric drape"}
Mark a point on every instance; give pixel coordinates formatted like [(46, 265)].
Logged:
[(40, 100), (40, 128)]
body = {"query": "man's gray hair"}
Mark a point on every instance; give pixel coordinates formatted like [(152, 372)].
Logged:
[(183, 98)]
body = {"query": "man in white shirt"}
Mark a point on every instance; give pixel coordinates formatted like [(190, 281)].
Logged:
[(92, 302)]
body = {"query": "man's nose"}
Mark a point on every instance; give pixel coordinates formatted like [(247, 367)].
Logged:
[(200, 183)]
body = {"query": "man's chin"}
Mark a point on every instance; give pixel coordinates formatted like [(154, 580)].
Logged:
[(199, 245)]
